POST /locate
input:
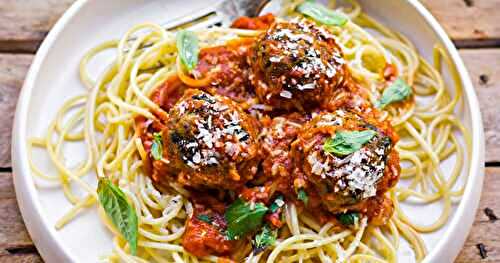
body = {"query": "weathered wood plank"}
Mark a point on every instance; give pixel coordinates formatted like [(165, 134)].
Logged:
[(467, 19), (484, 68), (485, 231), (13, 234), (21, 258), (6, 186), (24, 24), (15, 242), (13, 69)]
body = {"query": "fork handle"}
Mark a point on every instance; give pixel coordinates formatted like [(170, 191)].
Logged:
[(250, 8)]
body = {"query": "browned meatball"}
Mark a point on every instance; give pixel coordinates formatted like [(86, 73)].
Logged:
[(341, 181), (297, 65), (209, 142)]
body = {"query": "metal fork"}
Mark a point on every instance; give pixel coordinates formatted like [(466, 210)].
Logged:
[(222, 13)]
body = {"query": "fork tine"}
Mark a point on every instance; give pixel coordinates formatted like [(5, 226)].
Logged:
[(220, 14), (225, 11), (216, 20), (191, 18), (213, 19)]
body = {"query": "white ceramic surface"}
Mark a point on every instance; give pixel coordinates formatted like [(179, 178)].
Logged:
[(53, 78)]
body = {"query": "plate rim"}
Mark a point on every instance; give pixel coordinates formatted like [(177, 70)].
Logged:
[(26, 192), (43, 236)]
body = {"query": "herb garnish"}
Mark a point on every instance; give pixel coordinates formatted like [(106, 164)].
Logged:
[(347, 142), (396, 92), (157, 147), (302, 196), (267, 237), (204, 218), (243, 217), (187, 46), (321, 14), (348, 218), (121, 213), (278, 202)]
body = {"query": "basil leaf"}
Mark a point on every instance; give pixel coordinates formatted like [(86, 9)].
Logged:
[(267, 237), (188, 48), (278, 202), (321, 14), (302, 196), (348, 218), (243, 218), (397, 91), (347, 142), (204, 218), (121, 213), (157, 147)]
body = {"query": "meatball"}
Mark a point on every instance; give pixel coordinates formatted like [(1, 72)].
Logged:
[(344, 182), (209, 142), (297, 65)]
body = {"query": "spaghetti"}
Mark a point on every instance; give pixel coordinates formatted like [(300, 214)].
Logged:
[(147, 89)]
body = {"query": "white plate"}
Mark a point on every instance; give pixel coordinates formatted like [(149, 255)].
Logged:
[(53, 78)]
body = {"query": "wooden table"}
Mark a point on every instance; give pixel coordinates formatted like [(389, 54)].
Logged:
[(474, 26)]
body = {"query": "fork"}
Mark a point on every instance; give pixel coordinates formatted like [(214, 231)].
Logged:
[(223, 13), (220, 14)]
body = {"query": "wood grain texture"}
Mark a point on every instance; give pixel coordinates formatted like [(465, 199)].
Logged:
[(484, 230), (13, 234), (15, 243), (13, 69), (6, 186), (21, 258), (24, 24), (484, 68), (468, 19)]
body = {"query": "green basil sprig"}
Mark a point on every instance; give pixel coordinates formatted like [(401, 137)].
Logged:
[(321, 14), (205, 218), (157, 146), (397, 91), (188, 49), (121, 213), (277, 204), (347, 142), (267, 237), (302, 196), (348, 218), (243, 218)]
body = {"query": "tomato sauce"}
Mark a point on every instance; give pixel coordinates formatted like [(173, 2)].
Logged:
[(229, 68), (204, 234), (254, 23)]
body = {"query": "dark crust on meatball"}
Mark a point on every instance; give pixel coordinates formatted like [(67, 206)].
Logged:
[(209, 142), (297, 65), (344, 182)]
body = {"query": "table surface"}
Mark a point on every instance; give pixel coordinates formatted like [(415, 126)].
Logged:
[(472, 24)]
